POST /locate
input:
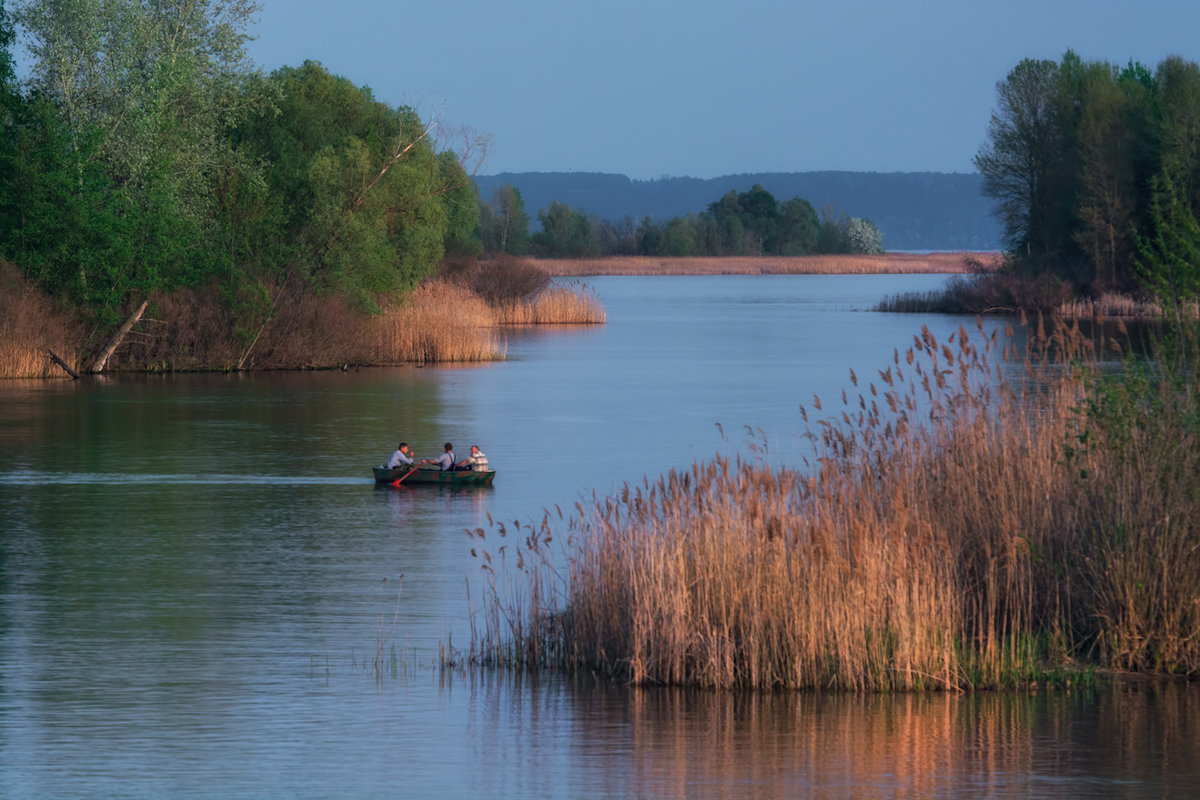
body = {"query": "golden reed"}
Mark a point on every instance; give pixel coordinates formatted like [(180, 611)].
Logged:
[(30, 327), (440, 322), (556, 305), (963, 521), (192, 329)]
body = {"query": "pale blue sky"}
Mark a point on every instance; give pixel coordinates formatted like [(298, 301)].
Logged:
[(649, 88)]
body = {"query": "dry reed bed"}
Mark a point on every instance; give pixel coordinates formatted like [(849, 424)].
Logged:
[(557, 305), (1112, 305), (30, 327), (957, 527), (193, 329), (441, 322), (884, 263)]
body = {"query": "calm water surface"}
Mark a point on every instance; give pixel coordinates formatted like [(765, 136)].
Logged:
[(198, 576)]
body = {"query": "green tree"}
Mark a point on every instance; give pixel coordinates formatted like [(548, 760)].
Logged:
[(1111, 134), (10, 101), (679, 237), (649, 238), (366, 203), (133, 105), (831, 236), (1169, 251), (504, 225), (566, 233), (760, 218), (1178, 93), (731, 229), (1019, 160), (798, 228)]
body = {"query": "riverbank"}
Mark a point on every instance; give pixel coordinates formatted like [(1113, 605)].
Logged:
[(882, 264), (195, 330)]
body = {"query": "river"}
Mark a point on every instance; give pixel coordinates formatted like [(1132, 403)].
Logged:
[(203, 594)]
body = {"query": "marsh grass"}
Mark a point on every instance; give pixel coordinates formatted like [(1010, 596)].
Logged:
[(441, 322), (1111, 305), (455, 318), (971, 516), (30, 326), (554, 305)]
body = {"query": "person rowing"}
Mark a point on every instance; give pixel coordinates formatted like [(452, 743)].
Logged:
[(445, 461)]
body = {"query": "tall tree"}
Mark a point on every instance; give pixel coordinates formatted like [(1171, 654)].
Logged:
[(366, 202), (798, 228), (144, 94), (10, 99), (760, 218), (1020, 157), (508, 224), (566, 233), (1112, 120), (1178, 85)]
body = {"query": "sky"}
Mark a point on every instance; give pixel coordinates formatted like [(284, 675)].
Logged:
[(654, 88)]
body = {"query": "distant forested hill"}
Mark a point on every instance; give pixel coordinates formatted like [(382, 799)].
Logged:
[(913, 210)]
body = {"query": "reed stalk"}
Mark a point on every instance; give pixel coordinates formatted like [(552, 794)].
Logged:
[(557, 305), (440, 322), (30, 327), (949, 530)]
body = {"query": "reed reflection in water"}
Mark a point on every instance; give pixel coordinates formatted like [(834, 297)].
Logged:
[(1136, 739)]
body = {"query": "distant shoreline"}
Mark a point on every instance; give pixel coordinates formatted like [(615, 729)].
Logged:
[(883, 264)]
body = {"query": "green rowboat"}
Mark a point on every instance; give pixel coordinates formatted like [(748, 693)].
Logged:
[(426, 476)]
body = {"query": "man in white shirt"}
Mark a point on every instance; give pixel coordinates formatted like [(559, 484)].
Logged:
[(401, 458)]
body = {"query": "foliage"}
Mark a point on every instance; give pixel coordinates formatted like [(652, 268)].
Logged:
[(125, 130), (1018, 162), (1169, 262), (503, 223), (863, 236), (1077, 158), (738, 224), (565, 233), (149, 155)]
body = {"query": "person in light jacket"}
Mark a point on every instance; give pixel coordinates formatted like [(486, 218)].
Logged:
[(446, 460), (401, 458), (477, 461)]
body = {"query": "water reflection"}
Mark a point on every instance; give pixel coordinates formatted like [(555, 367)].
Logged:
[(670, 743), (197, 571)]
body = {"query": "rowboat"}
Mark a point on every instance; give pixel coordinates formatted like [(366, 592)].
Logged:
[(432, 476)]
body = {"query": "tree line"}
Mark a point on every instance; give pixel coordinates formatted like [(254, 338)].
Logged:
[(751, 223), (1095, 172), (145, 153)]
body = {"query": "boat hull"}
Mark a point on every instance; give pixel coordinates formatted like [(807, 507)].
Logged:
[(434, 477)]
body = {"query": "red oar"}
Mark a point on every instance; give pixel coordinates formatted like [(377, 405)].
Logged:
[(410, 472)]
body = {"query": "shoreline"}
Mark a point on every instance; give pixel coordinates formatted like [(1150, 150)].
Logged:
[(949, 263)]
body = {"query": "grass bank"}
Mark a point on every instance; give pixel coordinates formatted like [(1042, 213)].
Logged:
[(459, 315), (969, 517), (1003, 292), (885, 263)]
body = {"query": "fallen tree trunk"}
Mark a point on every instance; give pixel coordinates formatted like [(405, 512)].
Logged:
[(102, 360), (58, 360)]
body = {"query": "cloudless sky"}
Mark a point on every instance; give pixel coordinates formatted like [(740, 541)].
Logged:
[(700, 88)]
